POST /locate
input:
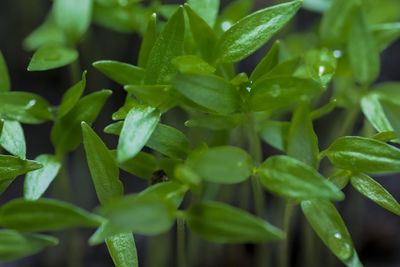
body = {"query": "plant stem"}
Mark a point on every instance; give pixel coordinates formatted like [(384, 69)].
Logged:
[(181, 252), (284, 256)]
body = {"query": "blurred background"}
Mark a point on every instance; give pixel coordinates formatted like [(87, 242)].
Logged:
[(375, 231)]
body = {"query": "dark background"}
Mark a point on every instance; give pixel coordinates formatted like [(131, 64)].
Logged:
[(375, 231)]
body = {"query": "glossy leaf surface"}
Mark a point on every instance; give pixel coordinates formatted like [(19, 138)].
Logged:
[(120, 72), (51, 57), (12, 138)]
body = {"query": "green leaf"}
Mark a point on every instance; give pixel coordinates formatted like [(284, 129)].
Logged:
[(155, 95), (188, 177), (224, 164), (267, 63), (203, 35), (12, 138), (253, 31), (376, 192), (286, 68), (302, 142), (148, 41), (45, 215), (323, 110), (120, 72), (11, 167), (340, 178), (373, 111), (275, 133), (4, 76), (102, 166), (329, 226), (15, 245), (209, 91), (138, 126), (385, 34), (142, 165), (317, 5), (24, 107), (392, 111), (362, 53), (321, 65), (168, 45), (71, 97), (51, 57), (169, 141), (234, 11), (281, 92), (222, 223), (192, 65), (170, 192), (123, 250), (215, 122), (37, 182), (360, 154), (291, 178), (66, 133), (207, 9), (73, 16), (334, 28)]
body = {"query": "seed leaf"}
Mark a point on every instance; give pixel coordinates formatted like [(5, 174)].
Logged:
[(15, 245), (329, 226), (209, 91), (122, 73), (375, 192), (52, 57), (224, 164), (24, 107), (66, 133), (291, 178), (222, 223), (12, 138), (138, 126), (360, 154), (45, 215), (71, 97), (102, 166), (37, 182), (253, 31), (169, 44), (4, 76)]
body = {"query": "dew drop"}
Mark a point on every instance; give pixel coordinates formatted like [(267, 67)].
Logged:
[(321, 70), (340, 246), (276, 90), (337, 53), (226, 25), (30, 104)]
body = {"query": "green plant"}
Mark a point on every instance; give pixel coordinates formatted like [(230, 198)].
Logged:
[(185, 69)]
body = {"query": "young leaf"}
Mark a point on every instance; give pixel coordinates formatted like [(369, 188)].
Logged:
[(203, 34), (45, 215), (192, 65), (15, 245), (4, 76), (12, 138), (209, 91), (302, 142), (37, 182), (280, 92), (362, 53), (123, 250), (24, 107), (73, 16), (168, 45), (291, 178), (222, 223), (253, 31), (120, 72), (376, 192), (136, 131), (102, 166), (224, 165), (11, 167), (142, 165), (148, 41), (66, 134), (207, 9), (392, 111), (51, 57), (329, 226), (275, 133), (360, 154), (267, 63), (71, 97), (169, 141)]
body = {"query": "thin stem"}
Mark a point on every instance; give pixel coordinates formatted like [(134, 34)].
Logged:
[(75, 71), (181, 252), (284, 256)]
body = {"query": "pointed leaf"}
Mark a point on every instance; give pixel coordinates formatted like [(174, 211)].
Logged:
[(120, 72), (142, 165), (71, 97), (148, 41), (123, 250), (267, 63), (52, 57), (207, 9), (37, 182), (11, 167), (253, 31), (222, 223), (12, 138)]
